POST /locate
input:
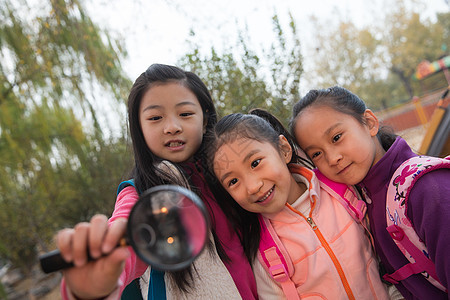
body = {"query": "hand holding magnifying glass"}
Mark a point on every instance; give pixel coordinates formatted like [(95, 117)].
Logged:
[(167, 228)]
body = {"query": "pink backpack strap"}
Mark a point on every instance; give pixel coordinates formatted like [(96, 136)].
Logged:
[(275, 259), (400, 227), (346, 195)]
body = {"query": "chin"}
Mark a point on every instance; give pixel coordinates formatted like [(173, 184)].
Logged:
[(353, 181)]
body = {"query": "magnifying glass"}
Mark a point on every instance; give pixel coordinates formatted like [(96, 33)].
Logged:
[(167, 228)]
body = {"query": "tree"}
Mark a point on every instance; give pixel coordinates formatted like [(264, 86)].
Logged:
[(377, 62), (240, 79), (54, 154), (409, 40), (349, 57)]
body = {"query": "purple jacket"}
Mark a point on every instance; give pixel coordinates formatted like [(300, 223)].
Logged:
[(429, 211)]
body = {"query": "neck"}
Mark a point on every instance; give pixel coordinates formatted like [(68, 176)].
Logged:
[(379, 151), (297, 189)]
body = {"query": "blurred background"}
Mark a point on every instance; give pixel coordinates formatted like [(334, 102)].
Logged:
[(66, 67)]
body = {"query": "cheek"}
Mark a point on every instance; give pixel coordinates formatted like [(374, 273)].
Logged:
[(236, 195), (323, 167), (150, 136), (151, 145), (198, 131)]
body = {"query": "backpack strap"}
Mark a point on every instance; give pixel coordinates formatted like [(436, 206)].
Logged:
[(124, 184), (157, 286), (132, 291), (398, 224), (350, 199), (347, 195), (275, 259)]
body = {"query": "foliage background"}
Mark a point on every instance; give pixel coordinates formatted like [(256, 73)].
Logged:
[(64, 144)]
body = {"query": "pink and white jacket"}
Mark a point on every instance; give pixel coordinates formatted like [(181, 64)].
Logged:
[(330, 251)]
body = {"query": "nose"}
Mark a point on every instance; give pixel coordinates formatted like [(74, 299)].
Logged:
[(254, 184), (172, 126), (334, 157)]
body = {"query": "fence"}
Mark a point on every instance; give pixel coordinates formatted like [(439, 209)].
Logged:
[(411, 114)]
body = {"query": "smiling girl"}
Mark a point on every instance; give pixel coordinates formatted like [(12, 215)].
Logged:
[(331, 253), (347, 144)]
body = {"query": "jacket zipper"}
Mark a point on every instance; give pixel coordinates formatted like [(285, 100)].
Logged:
[(330, 252)]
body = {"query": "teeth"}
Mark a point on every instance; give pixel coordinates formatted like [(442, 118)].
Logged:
[(175, 144), (265, 197)]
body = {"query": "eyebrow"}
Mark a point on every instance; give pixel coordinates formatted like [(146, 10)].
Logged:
[(332, 128), (156, 106), (222, 179), (327, 132), (250, 154), (247, 157)]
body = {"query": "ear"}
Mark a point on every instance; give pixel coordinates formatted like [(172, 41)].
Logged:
[(285, 148), (372, 122)]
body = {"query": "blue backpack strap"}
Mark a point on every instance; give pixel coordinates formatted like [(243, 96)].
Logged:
[(157, 286), (124, 184)]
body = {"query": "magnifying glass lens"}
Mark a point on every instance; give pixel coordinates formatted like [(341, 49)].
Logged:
[(168, 227)]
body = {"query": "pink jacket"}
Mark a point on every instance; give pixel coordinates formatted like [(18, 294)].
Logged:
[(334, 260)]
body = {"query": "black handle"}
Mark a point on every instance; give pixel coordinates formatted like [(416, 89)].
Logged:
[(53, 261)]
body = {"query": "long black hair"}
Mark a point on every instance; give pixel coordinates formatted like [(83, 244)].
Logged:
[(258, 125), (341, 100), (146, 171)]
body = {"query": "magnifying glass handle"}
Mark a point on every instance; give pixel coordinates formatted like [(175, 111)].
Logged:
[(53, 261)]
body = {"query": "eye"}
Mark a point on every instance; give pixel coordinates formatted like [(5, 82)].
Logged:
[(315, 155), (155, 118), (232, 182), (337, 137), (255, 163), (186, 114)]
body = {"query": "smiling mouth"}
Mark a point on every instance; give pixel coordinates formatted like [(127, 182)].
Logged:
[(266, 195), (175, 144), (343, 170)]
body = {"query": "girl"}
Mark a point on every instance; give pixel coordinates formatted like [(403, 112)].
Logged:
[(256, 165), (344, 140), (170, 112)]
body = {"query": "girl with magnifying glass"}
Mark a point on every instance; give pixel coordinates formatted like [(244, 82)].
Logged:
[(170, 114)]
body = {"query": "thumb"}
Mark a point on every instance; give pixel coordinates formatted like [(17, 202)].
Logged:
[(99, 277), (114, 263)]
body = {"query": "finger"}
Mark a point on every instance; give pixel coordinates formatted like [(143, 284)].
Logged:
[(115, 262), (79, 243), (99, 277), (99, 227), (64, 243), (115, 232)]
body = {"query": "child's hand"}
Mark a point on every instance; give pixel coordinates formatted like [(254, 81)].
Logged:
[(98, 278)]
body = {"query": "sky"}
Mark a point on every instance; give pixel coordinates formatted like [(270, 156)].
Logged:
[(156, 31)]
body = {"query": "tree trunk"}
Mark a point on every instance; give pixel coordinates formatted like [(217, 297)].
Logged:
[(405, 80)]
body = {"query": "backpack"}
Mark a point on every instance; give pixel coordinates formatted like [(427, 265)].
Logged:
[(398, 224), (273, 255)]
